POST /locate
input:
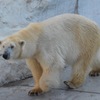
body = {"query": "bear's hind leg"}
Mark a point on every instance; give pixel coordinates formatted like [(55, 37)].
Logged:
[(95, 71), (79, 73), (36, 70)]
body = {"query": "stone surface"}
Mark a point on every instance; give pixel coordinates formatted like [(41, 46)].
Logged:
[(12, 71), (18, 91), (21, 12)]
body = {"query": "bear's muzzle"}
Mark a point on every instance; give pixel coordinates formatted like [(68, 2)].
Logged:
[(6, 55)]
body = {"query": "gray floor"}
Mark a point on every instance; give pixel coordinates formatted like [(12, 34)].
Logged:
[(18, 91)]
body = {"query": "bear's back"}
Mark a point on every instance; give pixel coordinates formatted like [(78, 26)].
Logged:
[(69, 33)]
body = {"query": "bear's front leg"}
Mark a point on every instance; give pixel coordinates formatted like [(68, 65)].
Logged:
[(79, 72), (50, 79), (43, 80), (36, 70)]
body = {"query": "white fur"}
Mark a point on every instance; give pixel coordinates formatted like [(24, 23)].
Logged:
[(59, 41)]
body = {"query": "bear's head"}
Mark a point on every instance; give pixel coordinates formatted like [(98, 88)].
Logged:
[(11, 48)]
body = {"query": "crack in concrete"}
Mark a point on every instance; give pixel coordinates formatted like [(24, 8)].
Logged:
[(75, 90), (86, 91), (15, 83), (76, 7)]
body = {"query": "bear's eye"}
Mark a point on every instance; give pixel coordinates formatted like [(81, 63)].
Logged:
[(12, 46)]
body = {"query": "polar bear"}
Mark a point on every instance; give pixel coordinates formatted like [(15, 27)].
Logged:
[(49, 45)]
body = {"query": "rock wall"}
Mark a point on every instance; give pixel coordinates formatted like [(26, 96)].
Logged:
[(21, 12), (16, 14)]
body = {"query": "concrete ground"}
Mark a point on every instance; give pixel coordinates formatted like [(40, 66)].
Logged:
[(18, 91)]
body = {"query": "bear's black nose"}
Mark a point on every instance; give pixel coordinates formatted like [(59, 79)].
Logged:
[(5, 56)]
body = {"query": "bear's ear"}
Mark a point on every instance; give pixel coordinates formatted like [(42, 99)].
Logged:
[(21, 42)]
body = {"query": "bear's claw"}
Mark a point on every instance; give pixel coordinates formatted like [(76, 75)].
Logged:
[(68, 85), (34, 92), (94, 73)]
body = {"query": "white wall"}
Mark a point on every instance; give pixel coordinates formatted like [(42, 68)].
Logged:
[(90, 9)]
